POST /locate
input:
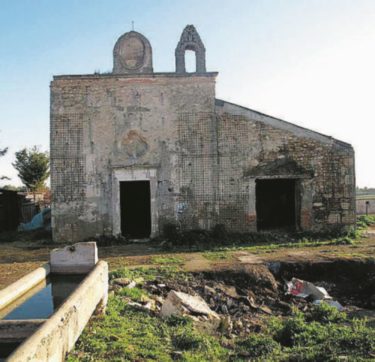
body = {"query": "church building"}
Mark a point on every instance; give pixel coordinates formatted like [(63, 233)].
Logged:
[(135, 150)]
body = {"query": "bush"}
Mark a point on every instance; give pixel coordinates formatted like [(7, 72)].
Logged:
[(357, 339), (324, 313), (176, 237), (286, 331), (365, 220), (296, 331), (188, 339), (257, 346), (177, 321), (172, 232), (325, 334), (345, 240), (219, 232)]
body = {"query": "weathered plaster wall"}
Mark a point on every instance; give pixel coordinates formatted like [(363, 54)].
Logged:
[(103, 126), (202, 159), (252, 145), (223, 154), (362, 207)]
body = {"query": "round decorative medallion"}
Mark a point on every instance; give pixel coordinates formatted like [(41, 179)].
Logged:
[(132, 54)]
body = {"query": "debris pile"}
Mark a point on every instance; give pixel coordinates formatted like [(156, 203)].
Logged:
[(233, 302)]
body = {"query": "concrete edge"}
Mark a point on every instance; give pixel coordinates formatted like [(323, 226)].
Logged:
[(57, 336), (21, 286)]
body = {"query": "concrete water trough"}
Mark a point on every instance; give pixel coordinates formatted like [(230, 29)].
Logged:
[(43, 314)]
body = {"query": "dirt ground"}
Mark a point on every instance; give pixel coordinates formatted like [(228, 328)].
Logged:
[(19, 258)]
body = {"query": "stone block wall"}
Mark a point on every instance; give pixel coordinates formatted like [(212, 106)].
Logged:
[(223, 154), (103, 126), (201, 156)]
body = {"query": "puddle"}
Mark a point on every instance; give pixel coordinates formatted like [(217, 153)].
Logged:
[(46, 300)]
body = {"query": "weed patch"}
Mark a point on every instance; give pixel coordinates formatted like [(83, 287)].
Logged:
[(128, 333), (256, 346), (323, 333), (167, 260), (133, 293), (151, 273), (217, 255)]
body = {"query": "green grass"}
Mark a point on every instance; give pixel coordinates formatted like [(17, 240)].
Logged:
[(221, 252), (133, 293), (352, 237), (147, 274), (217, 255), (126, 333), (167, 260), (325, 334), (265, 242)]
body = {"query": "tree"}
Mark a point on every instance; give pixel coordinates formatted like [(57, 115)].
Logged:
[(33, 168), (2, 153)]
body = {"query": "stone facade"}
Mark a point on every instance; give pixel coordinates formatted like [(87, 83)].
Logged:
[(202, 157)]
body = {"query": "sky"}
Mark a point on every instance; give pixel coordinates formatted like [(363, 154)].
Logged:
[(310, 62)]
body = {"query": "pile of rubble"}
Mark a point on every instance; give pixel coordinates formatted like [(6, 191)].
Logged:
[(235, 302)]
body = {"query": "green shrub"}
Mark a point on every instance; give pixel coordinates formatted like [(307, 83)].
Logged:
[(257, 345), (188, 339), (219, 232), (325, 334), (358, 339), (345, 240), (176, 321), (172, 232), (286, 331), (366, 220), (296, 331), (324, 313), (355, 232), (197, 346)]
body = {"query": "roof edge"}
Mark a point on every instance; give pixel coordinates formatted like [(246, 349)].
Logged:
[(137, 75), (236, 109)]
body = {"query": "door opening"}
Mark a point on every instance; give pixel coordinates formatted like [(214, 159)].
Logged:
[(135, 206), (276, 204)]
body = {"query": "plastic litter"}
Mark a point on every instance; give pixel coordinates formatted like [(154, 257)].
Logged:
[(304, 289), (40, 220)]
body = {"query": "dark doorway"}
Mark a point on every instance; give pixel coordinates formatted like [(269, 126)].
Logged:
[(276, 204), (135, 207)]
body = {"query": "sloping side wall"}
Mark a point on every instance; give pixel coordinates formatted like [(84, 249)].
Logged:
[(251, 145)]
